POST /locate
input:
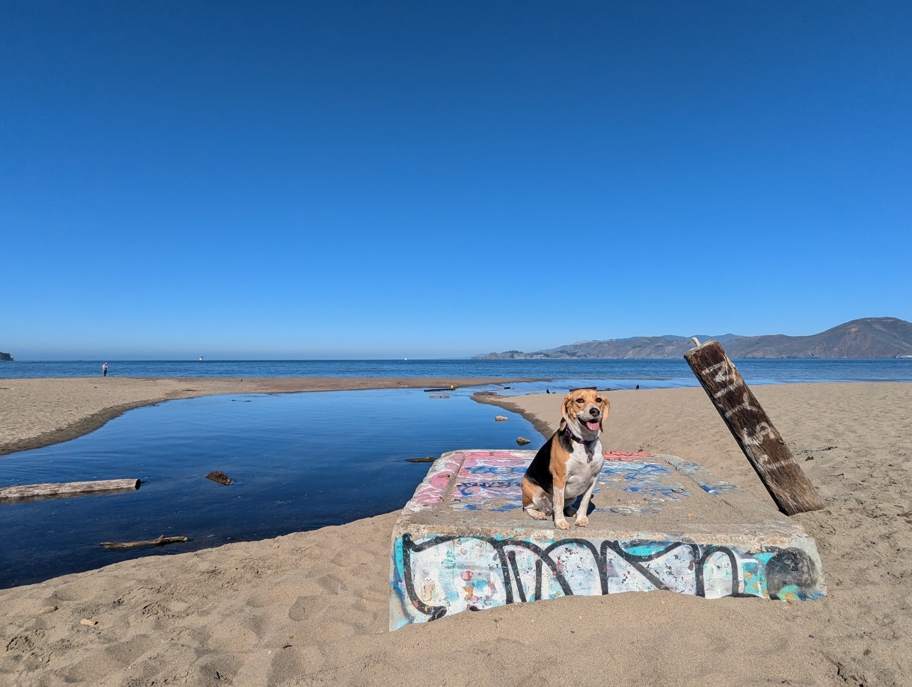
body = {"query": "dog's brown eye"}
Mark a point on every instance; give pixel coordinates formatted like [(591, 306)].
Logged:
[(579, 400), (598, 400)]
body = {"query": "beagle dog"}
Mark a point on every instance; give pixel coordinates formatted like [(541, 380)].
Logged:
[(569, 463)]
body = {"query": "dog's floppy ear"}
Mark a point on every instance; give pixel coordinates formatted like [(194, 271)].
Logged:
[(566, 412), (605, 407)]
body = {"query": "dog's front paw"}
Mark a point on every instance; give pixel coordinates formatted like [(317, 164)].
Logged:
[(562, 524), (582, 521)]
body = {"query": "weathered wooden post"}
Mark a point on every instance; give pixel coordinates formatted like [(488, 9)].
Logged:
[(752, 429)]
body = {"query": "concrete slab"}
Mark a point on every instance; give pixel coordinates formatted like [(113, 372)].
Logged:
[(464, 543)]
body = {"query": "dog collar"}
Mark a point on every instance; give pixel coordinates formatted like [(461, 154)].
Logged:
[(588, 445)]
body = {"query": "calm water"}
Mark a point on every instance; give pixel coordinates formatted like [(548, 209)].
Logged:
[(613, 373), (299, 461)]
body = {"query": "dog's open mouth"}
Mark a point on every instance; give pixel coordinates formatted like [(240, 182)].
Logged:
[(593, 425)]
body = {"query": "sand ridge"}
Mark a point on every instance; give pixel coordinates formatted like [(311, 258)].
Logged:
[(311, 608)]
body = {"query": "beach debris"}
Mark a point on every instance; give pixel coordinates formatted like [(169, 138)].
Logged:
[(158, 541), (62, 489), (220, 477), (443, 388), (500, 418), (522, 441), (752, 428), (425, 459), (808, 452), (47, 609), (90, 623)]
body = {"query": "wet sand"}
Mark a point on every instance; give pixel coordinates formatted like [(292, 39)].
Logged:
[(311, 608)]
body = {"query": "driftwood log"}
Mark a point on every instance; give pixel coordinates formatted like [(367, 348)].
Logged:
[(27, 491), (158, 541), (753, 430)]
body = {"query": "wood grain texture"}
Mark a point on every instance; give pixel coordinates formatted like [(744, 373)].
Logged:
[(27, 491), (752, 429)]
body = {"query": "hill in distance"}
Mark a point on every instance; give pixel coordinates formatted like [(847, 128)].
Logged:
[(867, 338)]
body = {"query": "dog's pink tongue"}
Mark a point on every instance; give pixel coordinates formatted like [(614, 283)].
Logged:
[(592, 426)]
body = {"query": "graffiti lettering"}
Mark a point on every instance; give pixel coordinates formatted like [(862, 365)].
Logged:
[(676, 566)]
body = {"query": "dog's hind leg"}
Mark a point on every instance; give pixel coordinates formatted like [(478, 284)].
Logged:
[(537, 514), (536, 501), (541, 508)]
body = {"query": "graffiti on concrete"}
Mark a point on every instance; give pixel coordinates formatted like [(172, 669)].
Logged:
[(448, 574), (434, 486), (483, 481), (492, 481), (464, 543)]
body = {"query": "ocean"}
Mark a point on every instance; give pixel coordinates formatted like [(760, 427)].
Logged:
[(619, 374)]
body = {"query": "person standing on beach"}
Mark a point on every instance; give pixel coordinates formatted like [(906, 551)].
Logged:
[(104, 370)]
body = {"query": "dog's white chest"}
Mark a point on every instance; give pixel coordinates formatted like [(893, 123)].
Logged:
[(581, 472)]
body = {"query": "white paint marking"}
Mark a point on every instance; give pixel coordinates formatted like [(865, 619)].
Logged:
[(744, 404), (763, 430), (722, 392)]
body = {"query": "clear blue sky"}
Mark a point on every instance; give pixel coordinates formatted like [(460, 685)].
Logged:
[(389, 179)]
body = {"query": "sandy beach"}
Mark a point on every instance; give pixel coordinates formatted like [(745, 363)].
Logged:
[(312, 608)]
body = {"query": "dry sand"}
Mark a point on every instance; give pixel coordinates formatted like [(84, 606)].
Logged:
[(311, 608), (40, 412)]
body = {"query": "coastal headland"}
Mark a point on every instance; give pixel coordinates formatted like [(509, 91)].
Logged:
[(312, 607), (44, 411)]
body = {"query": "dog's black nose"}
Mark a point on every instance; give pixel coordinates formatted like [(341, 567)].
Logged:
[(594, 412)]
